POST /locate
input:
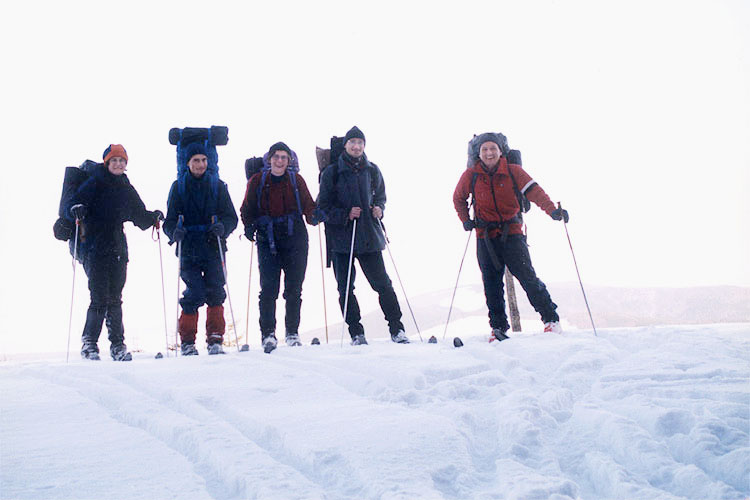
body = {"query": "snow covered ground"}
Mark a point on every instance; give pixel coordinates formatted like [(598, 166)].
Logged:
[(635, 413)]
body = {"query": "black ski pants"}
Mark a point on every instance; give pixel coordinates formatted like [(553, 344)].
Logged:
[(513, 253), (290, 257), (373, 267), (106, 274)]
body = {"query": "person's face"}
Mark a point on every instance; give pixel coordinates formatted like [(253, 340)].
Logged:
[(355, 147), (489, 153), (116, 165), (279, 163), (198, 165)]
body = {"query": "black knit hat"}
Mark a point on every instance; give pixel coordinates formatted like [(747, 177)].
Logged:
[(194, 148), (279, 146), (354, 133), (497, 138)]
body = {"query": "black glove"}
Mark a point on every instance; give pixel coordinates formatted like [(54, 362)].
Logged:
[(217, 229), (157, 215), (560, 214), (79, 211), (469, 225), (250, 232), (178, 234)]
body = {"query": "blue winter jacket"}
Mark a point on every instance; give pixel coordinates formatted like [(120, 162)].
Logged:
[(198, 200), (342, 186), (111, 200)]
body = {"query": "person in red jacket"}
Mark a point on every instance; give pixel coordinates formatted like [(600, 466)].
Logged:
[(275, 201), (500, 238)]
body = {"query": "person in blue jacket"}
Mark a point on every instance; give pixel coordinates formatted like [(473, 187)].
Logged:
[(353, 189), (199, 213), (102, 204)]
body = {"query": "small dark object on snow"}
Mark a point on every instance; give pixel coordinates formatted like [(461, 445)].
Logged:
[(432, 340), (244, 348), (158, 355), (457, 342), (315, 341)]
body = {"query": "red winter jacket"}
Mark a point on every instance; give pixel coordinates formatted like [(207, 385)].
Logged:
[(277, 198), (494, 198)]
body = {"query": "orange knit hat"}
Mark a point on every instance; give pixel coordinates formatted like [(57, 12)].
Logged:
[(115, 150)]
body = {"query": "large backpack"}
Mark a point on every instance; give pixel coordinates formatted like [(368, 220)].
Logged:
[(209, 138), (262, 165), (512, 156), (63, 228)]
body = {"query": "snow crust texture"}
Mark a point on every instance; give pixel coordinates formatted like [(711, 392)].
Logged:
[(648, 413)]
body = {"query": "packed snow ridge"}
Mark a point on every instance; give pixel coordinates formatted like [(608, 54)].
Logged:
[(638, 413)]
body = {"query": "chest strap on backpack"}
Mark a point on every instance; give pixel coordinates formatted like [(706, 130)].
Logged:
[(267, 222)]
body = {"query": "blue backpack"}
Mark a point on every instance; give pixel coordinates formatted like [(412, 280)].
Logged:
[(209, 138)]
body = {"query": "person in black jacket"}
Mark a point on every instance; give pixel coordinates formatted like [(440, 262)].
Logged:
[(353, 189), (102, 203), (203, 201)]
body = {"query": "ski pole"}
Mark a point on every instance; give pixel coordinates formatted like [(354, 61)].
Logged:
[(348, 280), (249, 281), (585, 300), (450, 309), (323, 277), (226, 281), (157, 227), (73, 291), (180, 220), (388, 246)]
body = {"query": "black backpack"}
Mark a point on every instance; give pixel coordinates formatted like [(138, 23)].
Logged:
[(512, 155), (63, 228)]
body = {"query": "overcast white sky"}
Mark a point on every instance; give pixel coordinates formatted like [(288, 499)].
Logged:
[(634, 114)]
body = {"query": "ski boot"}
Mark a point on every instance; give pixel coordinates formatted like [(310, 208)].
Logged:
[(498, 334), (119, 352), (359, 339), (188, 349), (292, 339), (400, 337), (552, 327), (269, 343), (90, 350)]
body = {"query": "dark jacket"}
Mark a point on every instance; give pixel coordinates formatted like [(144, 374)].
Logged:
[(198, 200), (343, 186), (277, 202), (495, 199), (111, 200)]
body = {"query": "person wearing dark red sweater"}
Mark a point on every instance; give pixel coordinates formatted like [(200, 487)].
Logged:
[(275, 201), (500, 238)]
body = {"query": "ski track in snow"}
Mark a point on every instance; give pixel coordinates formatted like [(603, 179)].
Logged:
[(646, 413)]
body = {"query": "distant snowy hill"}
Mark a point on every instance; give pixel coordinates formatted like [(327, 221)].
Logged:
[(635, 413), (611, 307)]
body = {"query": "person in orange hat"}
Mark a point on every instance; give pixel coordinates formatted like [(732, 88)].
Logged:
[(102, 204)]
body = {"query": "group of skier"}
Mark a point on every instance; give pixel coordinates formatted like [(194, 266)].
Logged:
[(277, 203)]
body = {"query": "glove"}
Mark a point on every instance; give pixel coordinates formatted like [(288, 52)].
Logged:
[(217, 229), (250, 232), (469, 225), (79, 211), (560, 214), (157, 215), (178, 234)]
